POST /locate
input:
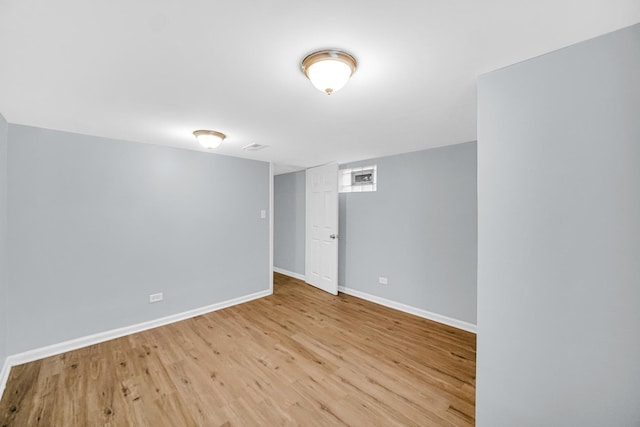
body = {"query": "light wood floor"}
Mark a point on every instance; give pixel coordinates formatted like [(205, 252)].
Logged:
[(298, 357)]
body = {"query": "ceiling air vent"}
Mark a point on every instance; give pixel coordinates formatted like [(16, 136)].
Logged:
[(254, 147)]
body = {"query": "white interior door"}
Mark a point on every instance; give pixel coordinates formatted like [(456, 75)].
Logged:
[(321, 255)]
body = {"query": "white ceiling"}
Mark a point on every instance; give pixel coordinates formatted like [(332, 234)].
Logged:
[(155, 70)]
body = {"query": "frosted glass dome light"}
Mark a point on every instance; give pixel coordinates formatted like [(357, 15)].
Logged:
[(209, 139), (329, 70)]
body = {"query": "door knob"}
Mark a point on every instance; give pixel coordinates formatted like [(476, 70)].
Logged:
[(333, 236)]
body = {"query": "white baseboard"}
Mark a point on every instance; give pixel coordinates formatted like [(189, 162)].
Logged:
[(289, 273), (4, 375), (63, 347), (469, 327)]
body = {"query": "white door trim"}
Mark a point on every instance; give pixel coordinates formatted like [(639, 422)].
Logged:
[(271, 185)]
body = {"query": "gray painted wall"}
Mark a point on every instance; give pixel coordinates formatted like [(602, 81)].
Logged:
[(289, 221), (418, 229), (97, 225), (3, 240), (559, 238)]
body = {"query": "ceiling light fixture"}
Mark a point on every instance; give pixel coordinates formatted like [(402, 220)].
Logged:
[(329, 70), (209, 138)]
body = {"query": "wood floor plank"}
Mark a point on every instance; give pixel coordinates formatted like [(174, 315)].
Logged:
[(298, 357)]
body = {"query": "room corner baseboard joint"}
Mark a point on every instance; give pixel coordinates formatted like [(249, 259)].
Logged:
[(289, 273), (4, 375)]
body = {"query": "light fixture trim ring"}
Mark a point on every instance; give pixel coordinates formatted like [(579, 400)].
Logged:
[(329, 54), (220, 135)]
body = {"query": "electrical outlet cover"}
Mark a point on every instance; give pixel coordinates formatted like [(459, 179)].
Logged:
[(155, 297)]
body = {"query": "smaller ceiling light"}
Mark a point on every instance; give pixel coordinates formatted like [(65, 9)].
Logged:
[(329, 70), (209, 138)]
